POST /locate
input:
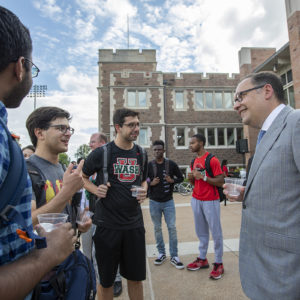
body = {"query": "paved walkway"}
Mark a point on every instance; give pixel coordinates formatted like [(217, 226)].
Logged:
[(165, 282)]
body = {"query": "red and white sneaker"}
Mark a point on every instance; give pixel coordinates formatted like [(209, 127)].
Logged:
[(198, 264), (217, 271)]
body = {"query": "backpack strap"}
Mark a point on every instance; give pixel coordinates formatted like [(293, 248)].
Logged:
[(38, 182), (11, 192), (167, 166), (142, 151), (192, 163), (207, 165), (16, 178), (154, 168), (106, 157)]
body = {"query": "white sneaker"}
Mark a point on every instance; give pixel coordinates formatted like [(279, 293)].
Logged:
[(160, 259), (176, 263)]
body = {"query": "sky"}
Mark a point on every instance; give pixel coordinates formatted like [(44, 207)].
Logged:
[(188, 35)]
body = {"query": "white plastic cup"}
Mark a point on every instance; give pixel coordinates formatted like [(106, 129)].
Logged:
[(135, 190), (233, 186), (51, 221)]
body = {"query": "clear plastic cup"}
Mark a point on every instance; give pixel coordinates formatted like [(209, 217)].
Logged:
[(233, 186), (135, 190), (51, 221), (83, 215)]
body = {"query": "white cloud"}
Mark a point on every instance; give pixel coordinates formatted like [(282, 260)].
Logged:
[(78, 96), (49, 8)]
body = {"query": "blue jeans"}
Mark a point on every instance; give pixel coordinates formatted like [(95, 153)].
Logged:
[(156, 211)]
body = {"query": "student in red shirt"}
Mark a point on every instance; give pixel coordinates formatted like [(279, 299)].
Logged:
[(206, 207)]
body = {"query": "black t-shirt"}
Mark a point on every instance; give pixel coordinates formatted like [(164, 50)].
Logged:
[(163, 191), (119, 210)]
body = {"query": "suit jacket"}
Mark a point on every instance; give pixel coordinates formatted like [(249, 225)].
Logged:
[(269, 258)]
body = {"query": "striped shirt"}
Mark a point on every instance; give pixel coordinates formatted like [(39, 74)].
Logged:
[(11, 246)]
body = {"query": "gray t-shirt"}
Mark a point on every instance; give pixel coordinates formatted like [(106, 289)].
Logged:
[(52, 178)]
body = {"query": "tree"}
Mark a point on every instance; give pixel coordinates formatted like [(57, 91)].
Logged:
[(64, 159), (83, 151)]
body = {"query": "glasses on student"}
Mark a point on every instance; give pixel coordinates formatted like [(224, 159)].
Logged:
[(241, 94), (34, 69), (63, 128), (132, 125)]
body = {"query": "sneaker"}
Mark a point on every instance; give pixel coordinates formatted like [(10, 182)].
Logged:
[(198, 264), (217, 271), (176, 263), (160, 259), (117, 288)]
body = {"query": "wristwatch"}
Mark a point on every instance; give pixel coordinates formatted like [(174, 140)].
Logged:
[(205, 178)]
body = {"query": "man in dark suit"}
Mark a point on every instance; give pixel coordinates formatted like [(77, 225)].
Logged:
[(270, 230)]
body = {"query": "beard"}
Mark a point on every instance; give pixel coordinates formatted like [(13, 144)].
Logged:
[(14, 97)]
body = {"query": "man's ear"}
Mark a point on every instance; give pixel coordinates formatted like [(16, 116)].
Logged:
[(39, 133), (269, 92), (117, 128), (20, 68)]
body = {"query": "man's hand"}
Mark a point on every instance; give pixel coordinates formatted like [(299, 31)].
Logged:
[(191, 178), (84, 221), (72, 180), (169, 179), (155, 181), (234, 198), (197, 174), (102, 190), (60, 242), (85, 226), (142, 194)]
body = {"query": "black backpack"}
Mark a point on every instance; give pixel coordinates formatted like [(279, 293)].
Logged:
[(222, 196), (103, 179), (154, 167)]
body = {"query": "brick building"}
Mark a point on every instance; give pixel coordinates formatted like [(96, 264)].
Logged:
[(285, 62), (174, 107)]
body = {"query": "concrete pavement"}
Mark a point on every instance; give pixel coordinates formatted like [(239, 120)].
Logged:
[(165, 282)]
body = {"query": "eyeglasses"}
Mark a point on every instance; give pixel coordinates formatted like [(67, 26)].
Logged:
[(240, 95), (132, 125), (63, 128), (34, 69)]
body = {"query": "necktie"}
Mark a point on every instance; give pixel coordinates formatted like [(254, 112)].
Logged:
[(260, 136)]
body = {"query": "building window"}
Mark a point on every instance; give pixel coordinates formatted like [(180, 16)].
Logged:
[(210, 137), (209, 100), (218, 100), (143, 137), (136, 99), (179, 101), (180, 137), (230, 137), (213, 100), (228, 100), (221, 137), (287, 81), (199, 101)]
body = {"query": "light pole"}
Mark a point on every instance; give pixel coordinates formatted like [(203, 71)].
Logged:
[(37, 91)]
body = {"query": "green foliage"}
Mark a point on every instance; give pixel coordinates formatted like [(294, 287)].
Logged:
[(83, 151), (64, 159)]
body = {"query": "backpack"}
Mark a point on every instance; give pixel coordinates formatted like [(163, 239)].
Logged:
[(209, 171), (68, 279), (73, 273), (12, 189), (103, 179), (154, 166)]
